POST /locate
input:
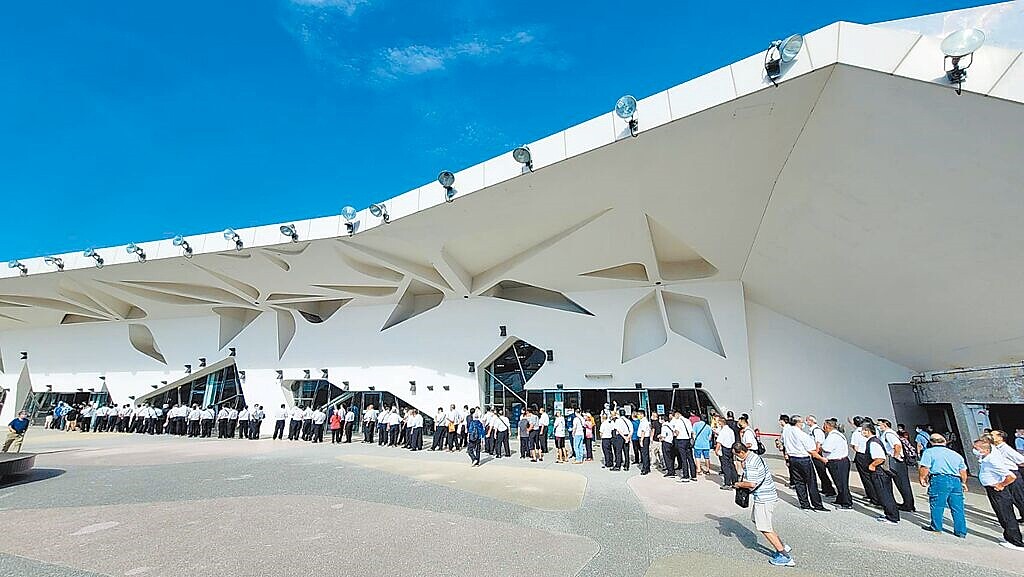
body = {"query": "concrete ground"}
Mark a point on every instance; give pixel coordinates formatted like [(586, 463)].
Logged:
[(115, 504)]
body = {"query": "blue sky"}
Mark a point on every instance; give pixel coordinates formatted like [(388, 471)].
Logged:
[(131, 121)]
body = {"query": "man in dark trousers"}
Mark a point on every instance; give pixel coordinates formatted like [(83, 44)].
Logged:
[(820, 467), (834, 454), (897, 464), (858, 442), (996, 474), (800, 448), (881, 478)]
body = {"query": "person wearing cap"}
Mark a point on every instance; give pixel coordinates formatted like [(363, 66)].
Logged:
[(16, 433), (944, 473), (996, 474)]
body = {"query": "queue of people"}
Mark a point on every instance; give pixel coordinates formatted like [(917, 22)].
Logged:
[(179, 420)]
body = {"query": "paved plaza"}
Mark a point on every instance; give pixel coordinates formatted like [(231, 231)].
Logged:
[(118, 504)]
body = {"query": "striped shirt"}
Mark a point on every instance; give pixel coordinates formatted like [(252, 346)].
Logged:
[(755, 470)]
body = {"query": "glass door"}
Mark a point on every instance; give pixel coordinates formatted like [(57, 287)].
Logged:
[(630, 400)]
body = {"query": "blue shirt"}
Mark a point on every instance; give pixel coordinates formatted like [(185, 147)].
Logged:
[(636, 425), (922, 439), (702, 436), (19, 425), (1019, 443), (943, 461)]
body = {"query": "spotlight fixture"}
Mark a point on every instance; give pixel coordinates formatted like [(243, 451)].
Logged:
[(289, 231), (24, 355), (373, 388), (447, 180), (380, 211), (132, 397), (202, 362), (280, 375), (231, 351), (135, 249), (18, 265), (472, 367), (522, 156), (698, 384), (781, 52), (188, 369), (638, 385), (959, 45), (446, 387), (344, 385), (625, 108), (230, 234), (155, 386), (92, 390), (550, 354), (323, 373), (103, 377), (559, 386), (412, 386), (241, 376), (349, 214), (430, 387), (163, 382), (185, 247), (675, 385), (49, 387), (94, 256), (502, 331), (55, 261), (305, 374)]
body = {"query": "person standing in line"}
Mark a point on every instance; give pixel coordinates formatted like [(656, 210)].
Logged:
[(295, 423), (607, 432), (763, 497), (524, 433), (207, 420), (799, 447), (193, 418), (369, 423), (440, 430), (280, 416), (243, 422), (944, 473), (501, 430), (561, 454), (858, 442), (232, 420), (534, 429), (100, 420), (922, 438), (307, 422), (463, 428), (621, 441), (656, 425), (996, 474), (880, 478), (644, 434), (578, 430), (416, 423), (998, 441), (350, 423), (112, 418), (634, 441), (222, 422), (85, 417), (544, 421), (817, 433), (488, 422), (897, 464), (158, 419), (1018, 441), (319, 424), (336, 426), (747, 434), (16, 430), (725, 438), (834, 453), (382, 426), (475, 433), (702, 433), (668, 448), (256, 417), (589, 426), (394, 423), (682, 429)]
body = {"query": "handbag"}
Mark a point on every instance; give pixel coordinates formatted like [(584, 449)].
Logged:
[(743, 494)]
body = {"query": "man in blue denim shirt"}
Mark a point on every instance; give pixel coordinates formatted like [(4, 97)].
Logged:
[(944, 473)]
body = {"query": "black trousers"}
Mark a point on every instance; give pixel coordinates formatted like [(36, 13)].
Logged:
[(207, 427), (606, 450), (453, 440), (243, 429), (827, 486), (318, 433), (861, 462), (232, 425), (294, 430), (1017, 491), (193, 428), (382, 434), (544, 440), (902, 481), (417, 439), (1002, 504), (348, 431), (839, 470), (307, 429), (729, 475), (368, 429), (439, 435), (222, 428), (668, 457), (473, 448), (688, 467), (501, 447), (619, 449), (801, 473), (645, 454), (524, 447), (336, 435), (254, 429), (883, 488), (393, 435), (279, 429), (489, 444), (636, 451)]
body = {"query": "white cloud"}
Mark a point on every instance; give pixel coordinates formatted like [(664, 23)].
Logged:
[(349, 7), (415, 59)]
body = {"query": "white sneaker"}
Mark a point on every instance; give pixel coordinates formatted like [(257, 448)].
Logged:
[(1009, 545), (883, 519)]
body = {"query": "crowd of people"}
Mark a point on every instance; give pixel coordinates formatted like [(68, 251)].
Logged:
[(820, 456)]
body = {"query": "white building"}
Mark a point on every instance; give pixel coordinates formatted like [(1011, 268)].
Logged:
[(790, 248)]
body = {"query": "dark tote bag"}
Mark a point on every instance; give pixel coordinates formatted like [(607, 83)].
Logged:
[(743, 494)]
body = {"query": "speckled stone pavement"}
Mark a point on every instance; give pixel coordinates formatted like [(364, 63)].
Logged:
[(108, 504)]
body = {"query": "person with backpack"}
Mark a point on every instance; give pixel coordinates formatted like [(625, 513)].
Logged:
[(475, 433), (880, 477), (834, 454)]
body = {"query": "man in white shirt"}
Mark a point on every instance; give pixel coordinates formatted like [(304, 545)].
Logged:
[(416, 423), (644, 435), (834, 453), (350, 423), (858, 443), (243, 422), (682, 429), (319, 417), (725, 438), (194, 416), (394, 424), (489, 437), (880, 477), (894, 449), (222, 422), (500, 425), (382, 426), (280, 416), (208, 418), (998, 441), (85, 417), (997, 474), (307, 423), (369, 423), (232, 421), (620, 442), (295, 423), (100, 422), (818, 434), (799, 447), (440, 430), (256, 417), (544, 421)]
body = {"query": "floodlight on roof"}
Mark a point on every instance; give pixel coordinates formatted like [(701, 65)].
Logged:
[(230, 234), (625, 108), (289, 231), (522, 156), (958, 45), (135, 249), (91, 253), (380, 211), (781, 52), (349, 213), (18, 265), (185, 247), (447, 179), (55, 261)]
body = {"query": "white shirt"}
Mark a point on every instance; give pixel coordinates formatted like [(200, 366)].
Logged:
[(890, 439), (681, 428), (394, 419), (749, 439), (667, 434), (726, 436), (834, 448), (993, 468), (559, 426), (500, 423), (623, 426), (222, 414), (194, 414), (319, 417), (243, 415), (350, 417), (280, 414), (796, 442), (417, 421), (1010, 453), (857, 441), (101, 412), (296, 414), (370, 415), (643, 430), (818, 434), (208, 414), (232, 414), (607, 429), (544, 419), (875, 450), (307, 415)]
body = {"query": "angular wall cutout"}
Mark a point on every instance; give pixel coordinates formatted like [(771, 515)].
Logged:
[(644, 330), (366, 291), (630, 271), (189, 290), (245, 288), (317, 311), (676, 260), (285, 331), (690, 317), (233, 321), (532, 295), (73, 319), (371, 270), (291, 297), (159, 296), (417, 299), (142, 339)]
